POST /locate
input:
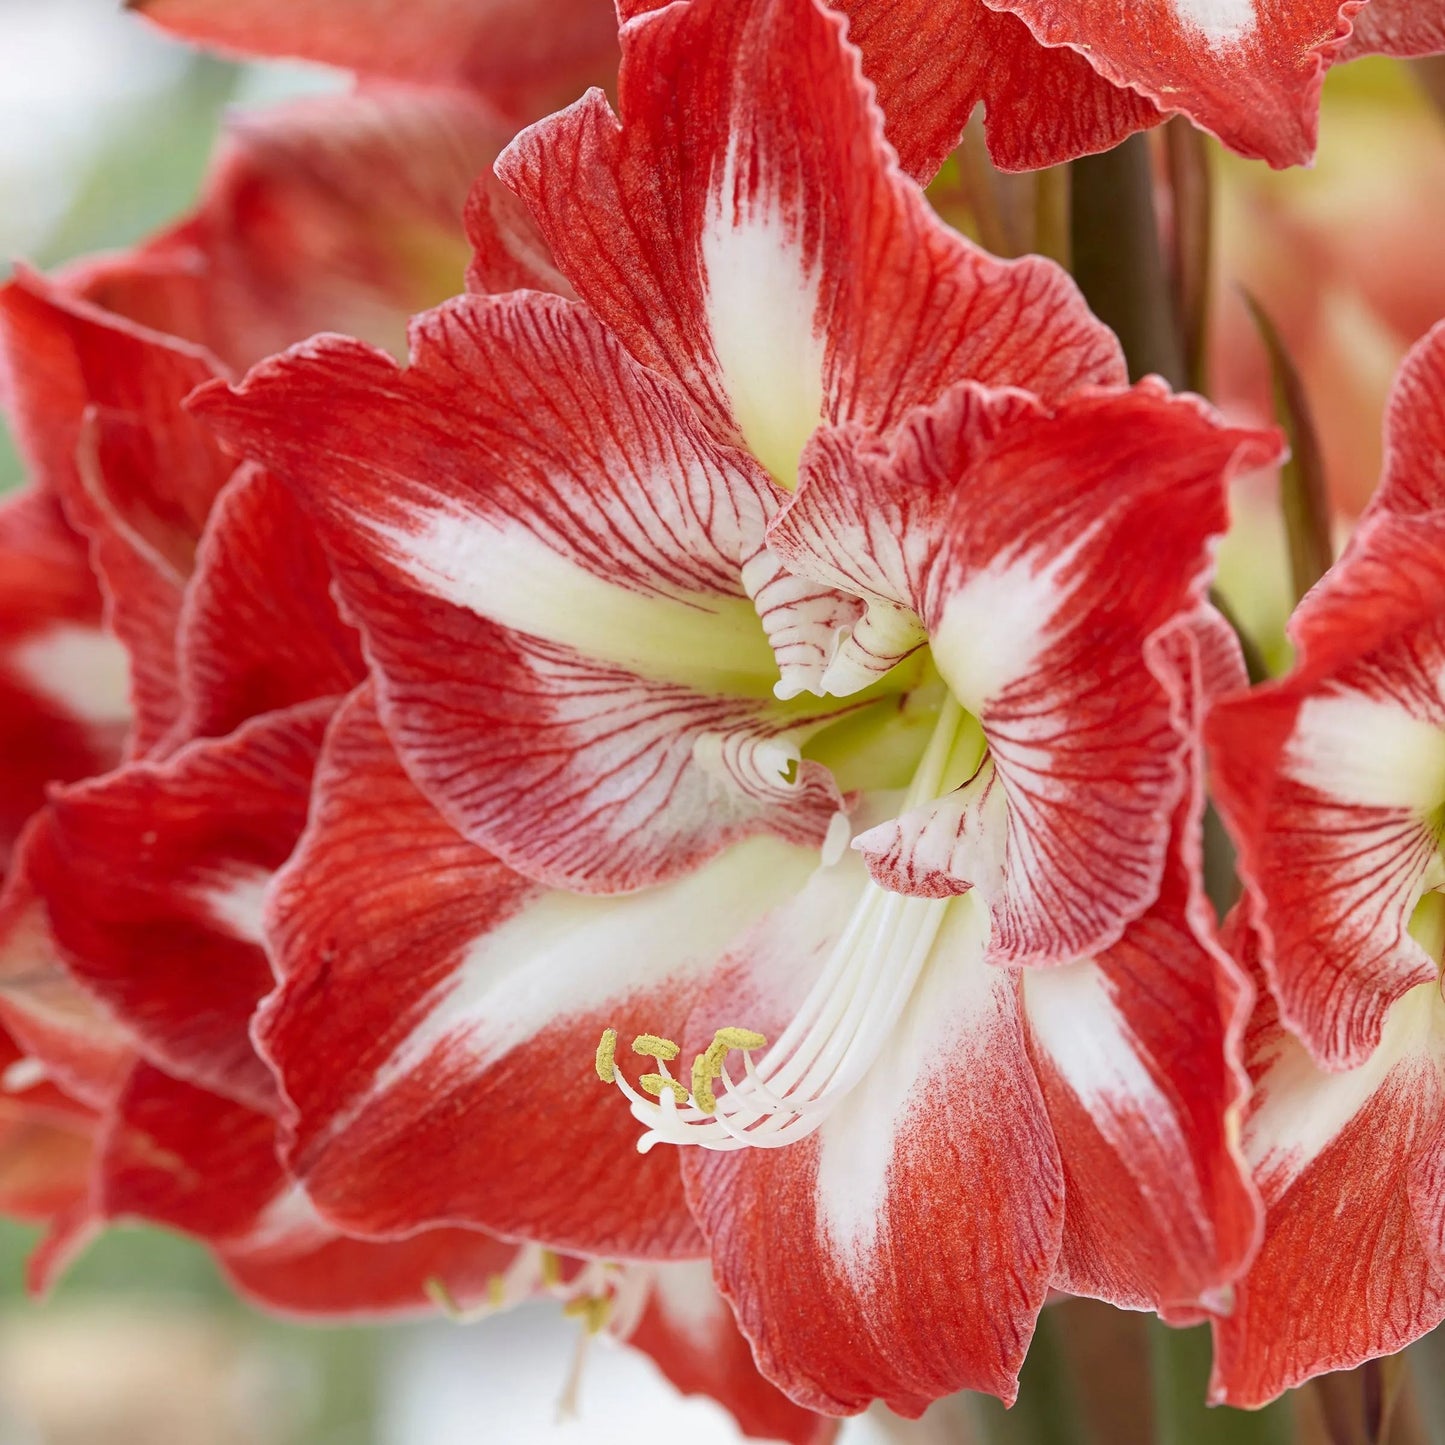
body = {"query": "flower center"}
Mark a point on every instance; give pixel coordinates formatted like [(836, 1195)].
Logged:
[(842, 1027)]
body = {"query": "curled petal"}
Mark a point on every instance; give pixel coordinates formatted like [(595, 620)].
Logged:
[(998, 525), (152, 880)]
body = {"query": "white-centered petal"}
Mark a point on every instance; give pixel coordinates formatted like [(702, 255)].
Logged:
[(762, 305), (504, 572), (1367, 751)]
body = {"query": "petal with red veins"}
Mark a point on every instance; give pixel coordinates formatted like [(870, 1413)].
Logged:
[(152, 878), (745, 229), (247, 646), (1349, 1158), (1248, 71), (1333, 780), (691, 1335), (65, 355), (934, 62), (1137, 1054), (334, 213), (509, 252), (424, 983), (1397, 27), (544, 551), (995, 527), (180, 1156), (64, 685), (522, 53), (846, 1255)]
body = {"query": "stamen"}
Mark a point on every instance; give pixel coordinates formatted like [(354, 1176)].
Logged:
[(607, 1056), (656, 1083), (592, 1310), (734, 1038), (844, 1023), (655, 1047)]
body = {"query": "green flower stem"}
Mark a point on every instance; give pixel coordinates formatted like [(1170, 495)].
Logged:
[(1118, 261), (1181, 1374)]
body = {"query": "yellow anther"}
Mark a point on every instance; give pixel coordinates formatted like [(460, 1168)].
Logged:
[(496, 1291), (739, 1039), (593, 1310), (442, 1298), (551, 1267), (702, 1076), (656, 1083), (606, 1056), (655, 1047)]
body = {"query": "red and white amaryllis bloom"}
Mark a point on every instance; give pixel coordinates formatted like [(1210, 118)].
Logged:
[(873, 542), (1333, 781)]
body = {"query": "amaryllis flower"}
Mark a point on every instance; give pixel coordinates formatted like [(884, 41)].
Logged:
[(843, 550), (1333, 780), (524, 55)]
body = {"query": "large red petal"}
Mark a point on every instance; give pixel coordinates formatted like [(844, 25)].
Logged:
[(544, 551), (848, 1257), (1249, 71), (1138, 1055), (745, 229), (522, 53), (425, 983), (259, 631), (152, 877)]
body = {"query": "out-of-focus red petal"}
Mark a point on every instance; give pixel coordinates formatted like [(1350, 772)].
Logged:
[(691, 1334), (1397, 27), (334, 213), (64, 704), (522, 53), (152, 879)]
